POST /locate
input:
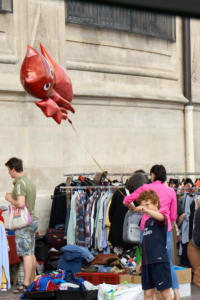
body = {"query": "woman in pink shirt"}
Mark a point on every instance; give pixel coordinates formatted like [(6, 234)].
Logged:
[(168, 207)]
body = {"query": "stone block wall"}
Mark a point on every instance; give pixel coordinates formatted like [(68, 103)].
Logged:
[(127, 96)]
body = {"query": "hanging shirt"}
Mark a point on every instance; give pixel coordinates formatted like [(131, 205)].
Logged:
[(88, 215), (72, 219), (80, 219), (104, 229), (99, 232)]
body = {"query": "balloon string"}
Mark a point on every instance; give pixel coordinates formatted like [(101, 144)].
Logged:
[(95, 161)]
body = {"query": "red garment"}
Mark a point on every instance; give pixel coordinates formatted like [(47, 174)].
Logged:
[(13, 257), (1, 217), (188, 188)]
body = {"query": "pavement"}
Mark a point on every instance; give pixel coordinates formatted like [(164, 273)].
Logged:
[(9, 295), (195, 294)]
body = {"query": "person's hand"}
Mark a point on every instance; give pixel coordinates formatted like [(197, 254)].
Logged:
[(181, 218), (8, 197), (138, 268), (140, 208), (131, 206)]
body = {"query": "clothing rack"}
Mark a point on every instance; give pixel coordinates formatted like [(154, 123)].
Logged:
[(129, 174), (187, 188), (107, 187), (122, 175), (113, 187), (107, 174), (183, 174)]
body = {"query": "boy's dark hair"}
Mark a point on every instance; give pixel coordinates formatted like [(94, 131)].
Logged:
[(149, 195), (15, 163), (160, 172)]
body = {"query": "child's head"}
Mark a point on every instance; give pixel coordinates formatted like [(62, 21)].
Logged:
[(149, 199)]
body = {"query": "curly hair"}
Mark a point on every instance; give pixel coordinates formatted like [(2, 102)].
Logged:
[(149, 195)]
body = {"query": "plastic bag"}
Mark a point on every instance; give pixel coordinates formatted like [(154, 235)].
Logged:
[(18, 217), (120, 292)]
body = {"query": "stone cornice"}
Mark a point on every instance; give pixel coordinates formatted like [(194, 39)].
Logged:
[(8, 59), (121, 70)]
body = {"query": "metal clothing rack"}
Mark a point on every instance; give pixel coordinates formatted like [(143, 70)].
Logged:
[(109, 187), (90, 174), (183, 174), (186, 188), (80, 187), (129, 174), (122, 175)]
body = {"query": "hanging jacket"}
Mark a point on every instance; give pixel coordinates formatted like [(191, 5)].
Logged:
[(58, 208), (117, 214)]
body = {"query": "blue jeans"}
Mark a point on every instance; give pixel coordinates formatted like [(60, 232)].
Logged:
[(169, 253)]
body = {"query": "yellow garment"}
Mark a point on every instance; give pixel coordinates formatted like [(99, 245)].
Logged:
[(107, 221), (3, 280)]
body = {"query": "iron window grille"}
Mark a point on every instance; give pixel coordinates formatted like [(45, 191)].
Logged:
[(117, 17), (6, 6)]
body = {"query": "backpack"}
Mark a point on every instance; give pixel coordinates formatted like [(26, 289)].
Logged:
[(41, 248), (131, 227)]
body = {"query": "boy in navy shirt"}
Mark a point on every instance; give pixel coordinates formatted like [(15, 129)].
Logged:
[(155, 264)]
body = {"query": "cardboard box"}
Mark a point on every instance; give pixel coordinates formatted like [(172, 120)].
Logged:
[(184, 276), (184, 280), (130, 278)]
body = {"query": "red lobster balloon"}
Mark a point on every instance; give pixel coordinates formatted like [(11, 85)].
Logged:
[(43, 78)]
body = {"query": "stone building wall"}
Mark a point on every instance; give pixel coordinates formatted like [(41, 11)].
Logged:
[(195, 50), (128, 100)]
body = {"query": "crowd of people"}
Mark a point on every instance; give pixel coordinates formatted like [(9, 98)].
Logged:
[(164, 198), (167, 205), (156, 200)]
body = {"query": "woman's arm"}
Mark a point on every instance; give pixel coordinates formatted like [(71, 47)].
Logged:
[(132, 197), (180, 219), (173, 207)]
